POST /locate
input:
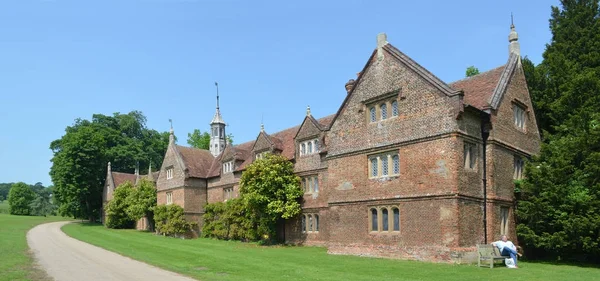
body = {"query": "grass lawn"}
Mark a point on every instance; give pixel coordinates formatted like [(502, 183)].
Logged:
[(15, 261), (208, 259)]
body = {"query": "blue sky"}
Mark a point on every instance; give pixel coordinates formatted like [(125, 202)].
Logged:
[(62, 60)]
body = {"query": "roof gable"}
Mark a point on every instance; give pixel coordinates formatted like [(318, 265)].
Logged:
[(197, 161), (495, 99), (479, 88)]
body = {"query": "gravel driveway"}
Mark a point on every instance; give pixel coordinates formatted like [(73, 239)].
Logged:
[(65, 258)]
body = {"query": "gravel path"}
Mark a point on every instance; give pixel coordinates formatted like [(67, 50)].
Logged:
[(65, 258)]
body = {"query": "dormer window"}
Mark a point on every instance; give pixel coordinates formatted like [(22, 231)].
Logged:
[(309, 147), (228, 167), (261, 155)]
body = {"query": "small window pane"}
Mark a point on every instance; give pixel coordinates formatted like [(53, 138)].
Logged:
[(374, 167), (302, 149), (310, 223), (383, 108), (396, 160), (316, 145), (373, 114), (316, 222), (316, 184), (384, 165), (395, 108), (309, 147), (303, 223), (374, 226), (396, 219), (384, 219)]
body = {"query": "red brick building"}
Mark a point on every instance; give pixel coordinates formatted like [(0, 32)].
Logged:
[(408, 167)]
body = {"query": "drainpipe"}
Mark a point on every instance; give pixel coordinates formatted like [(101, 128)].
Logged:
[(485, 133)]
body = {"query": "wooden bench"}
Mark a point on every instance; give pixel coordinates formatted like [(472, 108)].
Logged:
[(488, 253)]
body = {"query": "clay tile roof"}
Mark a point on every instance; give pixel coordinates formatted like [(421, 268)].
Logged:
[(326, 121), (119, 178), (479, 88), (197, 161)]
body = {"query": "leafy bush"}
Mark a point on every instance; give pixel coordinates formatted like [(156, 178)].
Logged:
[(20, 197), (170, 221), (116, 215), (42, 204), (228, 221), (141, 202)]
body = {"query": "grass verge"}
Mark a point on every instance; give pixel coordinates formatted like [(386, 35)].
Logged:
[(15, 261), (208, 259)]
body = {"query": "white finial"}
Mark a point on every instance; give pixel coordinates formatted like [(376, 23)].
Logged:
[(308, 110), (171, 133), (262, 127), (109, 170)]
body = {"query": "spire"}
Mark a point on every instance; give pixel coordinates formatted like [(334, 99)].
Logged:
[(513, 39), (217, 119), (308, 110), (150, 169), (262, 127), (171, 133)]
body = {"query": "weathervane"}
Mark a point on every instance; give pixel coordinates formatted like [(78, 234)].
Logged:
[(217, 85), (512, 23), (171, 121)]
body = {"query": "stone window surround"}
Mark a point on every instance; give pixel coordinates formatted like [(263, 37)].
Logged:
[(228, 193), (391, 225), (169, 172), (470, 155), (261, 154), (384, 100), (390, 161), (303, 145), (310, 179), (310, 222), (228, 166), (169, 197), (519, 165), (520, 114)]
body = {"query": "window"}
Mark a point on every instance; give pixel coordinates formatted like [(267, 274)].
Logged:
[(470, 155), (227, 193), (518, 171), (169, 173), (309, 147), (169, 198), (396, 219), (310, 223), (374, 221), (373, 114), (395, 108), (519, 116), (383, 161), (503, 220), (381, 221), (310, 184), (261, 155), (215, 131), (228, 167), (383, 109)]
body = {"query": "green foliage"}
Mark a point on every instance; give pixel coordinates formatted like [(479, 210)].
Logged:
[(116, 215), (201, 140), (228, 220), (170, 221), (4, 188), (42, 204), (141, 202), (19, 198), (471, 71), (559, 207), (80, 157)]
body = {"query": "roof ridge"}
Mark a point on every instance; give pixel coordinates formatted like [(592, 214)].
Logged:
[(476, 76), (502, 85)]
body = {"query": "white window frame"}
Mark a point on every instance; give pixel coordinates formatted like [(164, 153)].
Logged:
[(309, 147), (169, 173), (378, 160), (308, 184), (169, 197), (227, 193), (310, 222), (380, 221), (228, 167)]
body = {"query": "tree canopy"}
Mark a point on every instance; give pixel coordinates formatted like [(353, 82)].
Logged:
[(19, 198), (81, 155), (471, 71), (559, 201)]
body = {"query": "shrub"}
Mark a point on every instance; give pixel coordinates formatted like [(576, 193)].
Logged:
[(20, 197), (116, 215), (227, 220), (170, 221)]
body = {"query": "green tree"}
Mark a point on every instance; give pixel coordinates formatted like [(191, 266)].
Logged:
[(471, 71), (559, 207), (42, 204), (4, 189), (116, 210), (80, 156), (141, 202), (170, 221), (19, 198), (201, 140), (271, 192)]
